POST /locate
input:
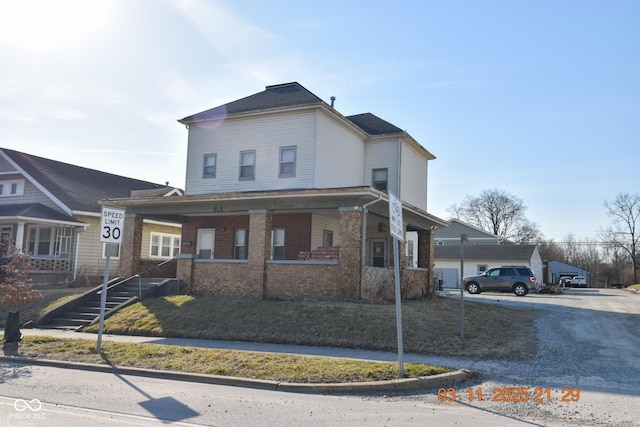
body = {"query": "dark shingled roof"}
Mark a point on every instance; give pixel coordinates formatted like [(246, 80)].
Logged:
[(77, 187), (485, 252), (373, 125), (33, 210), (276, 96), (288, 95)]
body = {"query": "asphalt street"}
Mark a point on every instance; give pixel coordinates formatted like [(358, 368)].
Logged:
[(586, 372)]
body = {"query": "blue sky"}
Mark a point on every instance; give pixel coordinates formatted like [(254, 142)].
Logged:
[(540, 99)]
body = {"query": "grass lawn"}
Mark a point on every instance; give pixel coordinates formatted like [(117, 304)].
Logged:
[(430, 327)]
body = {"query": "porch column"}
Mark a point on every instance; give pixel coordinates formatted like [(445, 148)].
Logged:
[(425, 257), (20, 234), (259, 251), (131, 247), (350, 247)]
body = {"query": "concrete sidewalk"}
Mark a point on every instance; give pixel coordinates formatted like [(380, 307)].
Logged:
[(461, 365)]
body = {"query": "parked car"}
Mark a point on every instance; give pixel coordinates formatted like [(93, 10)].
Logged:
[(579, 282), (518, 279), (565, 281)]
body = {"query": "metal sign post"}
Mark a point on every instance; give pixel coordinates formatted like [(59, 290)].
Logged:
[(397, 231), (463, 238), (111, 227)]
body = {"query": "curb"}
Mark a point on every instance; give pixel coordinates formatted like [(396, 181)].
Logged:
[(399, 384)]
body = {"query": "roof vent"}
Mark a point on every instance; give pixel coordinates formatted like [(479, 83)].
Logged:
[(333, 100)]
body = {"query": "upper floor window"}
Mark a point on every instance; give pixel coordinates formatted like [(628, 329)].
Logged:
[(209, 166), (287, 162), (247, 165), (380, 179), (164, 245), (14, 187)]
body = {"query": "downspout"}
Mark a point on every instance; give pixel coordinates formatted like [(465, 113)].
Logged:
[(363, 243)]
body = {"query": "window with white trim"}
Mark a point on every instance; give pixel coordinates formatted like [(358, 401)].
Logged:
[(40, 241), (247, 165), (209, 162), (205, 242), (380, 179), (164, 245), (241, 243), (11, 187), (277, 243), (287, 167), (115, 250)]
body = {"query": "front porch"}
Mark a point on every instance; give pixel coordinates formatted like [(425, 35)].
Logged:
[(318, 248)]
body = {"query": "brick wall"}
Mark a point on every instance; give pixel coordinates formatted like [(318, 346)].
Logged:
[(223, 279), (305, 281), (297, 234), (225, 233)]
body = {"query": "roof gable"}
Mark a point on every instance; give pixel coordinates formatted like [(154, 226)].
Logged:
[(76, 187)]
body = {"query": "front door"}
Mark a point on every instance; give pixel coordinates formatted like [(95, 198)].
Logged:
[(379, 252)]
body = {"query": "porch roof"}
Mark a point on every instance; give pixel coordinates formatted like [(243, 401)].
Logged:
[(36, 212), (180, 207)]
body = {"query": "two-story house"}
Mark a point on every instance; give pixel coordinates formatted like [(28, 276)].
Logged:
[(51, 211), (287, 198)]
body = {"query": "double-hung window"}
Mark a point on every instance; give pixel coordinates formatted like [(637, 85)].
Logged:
[(247, 165), (277, 243), (287, 162), (209, 165), (380, 179), (164, 245), (14, 187), (241, 243)]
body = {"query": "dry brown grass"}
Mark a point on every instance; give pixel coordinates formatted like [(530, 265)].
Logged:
[(429, 326)]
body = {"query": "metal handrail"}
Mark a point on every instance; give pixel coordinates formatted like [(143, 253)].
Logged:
[(139, 276)]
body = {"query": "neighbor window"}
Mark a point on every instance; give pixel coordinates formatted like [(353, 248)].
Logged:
[(115, 250), (241, 243), (209, 166), (277, 243), (13, 187), (40, 241), (287, 162), (379, 179), (164, 245), (482, 268), (247, 164)]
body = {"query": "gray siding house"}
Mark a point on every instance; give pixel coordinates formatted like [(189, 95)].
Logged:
[(51, 210)]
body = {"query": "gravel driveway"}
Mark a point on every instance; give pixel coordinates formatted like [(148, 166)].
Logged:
[(589, 342)]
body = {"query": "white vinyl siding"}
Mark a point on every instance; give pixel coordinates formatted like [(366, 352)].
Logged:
[(339, 155), (413, 178), (265, 134), (319, 223), (381, 154), (90, 259)]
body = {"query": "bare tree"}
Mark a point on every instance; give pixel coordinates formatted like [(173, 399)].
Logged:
[(498, 212), (624, 232)]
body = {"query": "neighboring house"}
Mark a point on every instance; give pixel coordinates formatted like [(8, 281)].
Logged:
[(557, 269), (51, 210), (287, 198), (480, 258), (451, 235)]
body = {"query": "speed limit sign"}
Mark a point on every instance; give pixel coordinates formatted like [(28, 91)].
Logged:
[(111, 225)]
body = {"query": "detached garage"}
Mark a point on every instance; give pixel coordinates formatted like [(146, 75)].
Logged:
[(480, 258)]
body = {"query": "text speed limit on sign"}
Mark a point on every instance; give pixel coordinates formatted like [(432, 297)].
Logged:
[(112, 225)]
